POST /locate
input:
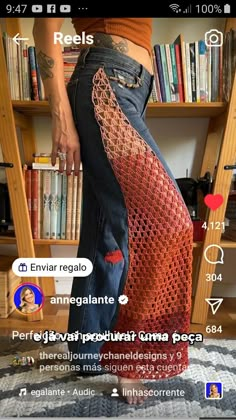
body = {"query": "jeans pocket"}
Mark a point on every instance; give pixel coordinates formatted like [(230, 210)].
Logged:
[(124, 78)]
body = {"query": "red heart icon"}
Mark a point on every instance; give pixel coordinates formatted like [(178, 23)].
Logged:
[(213, 201)]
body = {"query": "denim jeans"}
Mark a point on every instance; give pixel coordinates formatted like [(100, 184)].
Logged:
[(106, 234)]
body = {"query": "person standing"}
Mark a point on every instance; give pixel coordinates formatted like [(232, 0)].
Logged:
[(136, 229)]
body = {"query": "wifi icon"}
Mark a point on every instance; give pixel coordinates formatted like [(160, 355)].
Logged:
[(175, 7)]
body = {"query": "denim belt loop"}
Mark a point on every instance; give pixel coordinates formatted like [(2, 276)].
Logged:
[(141, 75), (83, 55)]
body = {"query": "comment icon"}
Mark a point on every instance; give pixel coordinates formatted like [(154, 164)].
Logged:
[(209, 254)]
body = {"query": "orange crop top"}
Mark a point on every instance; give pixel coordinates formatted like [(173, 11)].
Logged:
[(137, 30)]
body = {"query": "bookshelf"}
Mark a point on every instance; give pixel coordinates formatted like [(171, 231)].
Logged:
[(154, 110), (12, 240), (20, 114)]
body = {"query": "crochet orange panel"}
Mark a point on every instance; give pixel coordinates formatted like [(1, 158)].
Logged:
[(158, 283)]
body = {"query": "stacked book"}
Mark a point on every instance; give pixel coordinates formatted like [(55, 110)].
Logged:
[(23, 70), (183, 71), (229, 60), (54, 201), (70, 57), (187, 72)]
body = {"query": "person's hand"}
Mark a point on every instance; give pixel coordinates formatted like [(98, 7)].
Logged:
[(65, 140)]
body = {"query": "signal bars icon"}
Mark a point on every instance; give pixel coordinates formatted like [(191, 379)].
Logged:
[(188, 9)]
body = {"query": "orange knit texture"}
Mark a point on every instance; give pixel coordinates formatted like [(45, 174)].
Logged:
[(137, 30), (158, 283)]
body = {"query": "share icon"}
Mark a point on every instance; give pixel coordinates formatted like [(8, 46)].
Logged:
[(214, 304)]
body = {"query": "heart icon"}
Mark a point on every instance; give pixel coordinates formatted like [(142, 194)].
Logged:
[(213, 201)]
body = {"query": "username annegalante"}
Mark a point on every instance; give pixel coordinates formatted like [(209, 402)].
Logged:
[(86, 300)]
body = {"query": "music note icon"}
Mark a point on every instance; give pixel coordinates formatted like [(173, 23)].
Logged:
[(22, 392)]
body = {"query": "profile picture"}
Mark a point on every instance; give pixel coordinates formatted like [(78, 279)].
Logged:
[(28, 298), (214, 390), (23, 361)]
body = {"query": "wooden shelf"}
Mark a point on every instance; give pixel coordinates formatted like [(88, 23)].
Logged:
[(32, 107), (154, 110), (10, 240), (182, 110), (226, 243)]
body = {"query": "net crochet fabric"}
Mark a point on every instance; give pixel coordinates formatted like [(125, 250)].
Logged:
[(158, 283)]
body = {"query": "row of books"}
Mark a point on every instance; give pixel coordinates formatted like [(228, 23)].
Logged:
[(229, 62), (23, 70), (70, 57), (183, 71), (187, 72), (54, 203)]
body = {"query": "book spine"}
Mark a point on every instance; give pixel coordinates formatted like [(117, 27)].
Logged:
[(11, 70), (165, 73), (197, 71), (74, 203), (188, 72), (156, 91), (202, 71), (160, 71), (53, 205), (230, 63), (40, 204), (59, 194), (6, 50), (35, 203), (69, 205), (215, 60), (208, 74), (170, 73), (46, 204), (47, 166), (179, 72), (63, 205), (39, 80), (221, 72), (226, 59), (28, 192), (25, 72), (174, 71), (15, 69), (33, 73), (20, 70), (184, 67), (193, 71), (79, 205)]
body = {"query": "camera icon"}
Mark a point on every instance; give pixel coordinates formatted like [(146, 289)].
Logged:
[(213, 38)]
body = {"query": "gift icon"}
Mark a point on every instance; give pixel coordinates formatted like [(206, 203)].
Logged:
[(22, 268)]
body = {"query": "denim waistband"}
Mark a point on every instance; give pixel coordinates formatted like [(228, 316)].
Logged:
[(108, 57)]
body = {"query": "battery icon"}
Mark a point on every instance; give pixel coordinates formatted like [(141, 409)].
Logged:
[(227, 8)]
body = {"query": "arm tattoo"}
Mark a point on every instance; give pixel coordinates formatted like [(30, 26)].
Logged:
[(45, 63), (105, 40)]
